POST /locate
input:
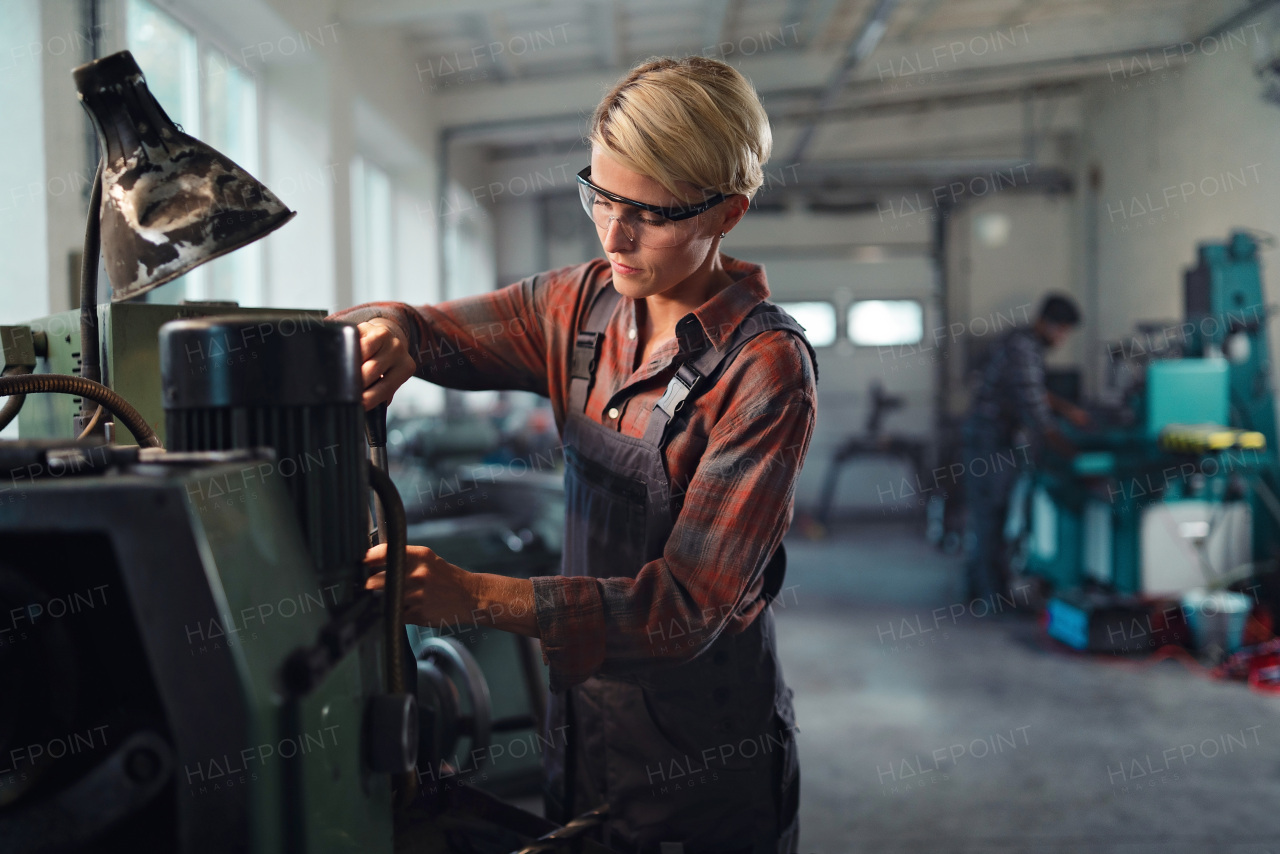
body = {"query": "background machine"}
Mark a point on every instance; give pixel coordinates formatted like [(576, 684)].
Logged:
[(1179, 492)]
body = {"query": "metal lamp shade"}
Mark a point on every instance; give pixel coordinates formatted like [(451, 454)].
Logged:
[(169, 202)]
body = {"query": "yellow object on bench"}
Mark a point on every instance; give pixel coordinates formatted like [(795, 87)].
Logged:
[(1201, 438)]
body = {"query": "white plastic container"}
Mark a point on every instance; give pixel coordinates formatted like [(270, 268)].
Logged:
[(1216, 618)]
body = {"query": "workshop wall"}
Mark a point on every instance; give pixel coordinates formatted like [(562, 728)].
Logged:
[(1185, 154), (1006, 252)]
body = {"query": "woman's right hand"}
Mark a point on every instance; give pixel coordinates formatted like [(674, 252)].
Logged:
[(386, 363)]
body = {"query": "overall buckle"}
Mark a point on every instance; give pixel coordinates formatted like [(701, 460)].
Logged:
[(678, 389), (585, 351)]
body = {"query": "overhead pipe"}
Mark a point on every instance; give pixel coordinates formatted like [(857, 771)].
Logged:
[(861, 45)]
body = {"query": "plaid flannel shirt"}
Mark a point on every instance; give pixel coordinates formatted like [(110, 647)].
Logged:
[(1011, 392), (735, 463)]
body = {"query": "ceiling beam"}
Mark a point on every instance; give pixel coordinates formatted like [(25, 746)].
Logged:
[(553, 173), (896, 71), (924, 11), (562, 136), (793, 15), (491, 32), (863, 43), (1015, 15), (941, 172), (1247, 15), (1013, 90)]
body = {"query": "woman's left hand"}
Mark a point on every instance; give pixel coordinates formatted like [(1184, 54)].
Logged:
[(435, 591)]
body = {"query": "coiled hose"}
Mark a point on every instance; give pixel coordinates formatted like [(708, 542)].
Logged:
[(11, 406), (97, 392)]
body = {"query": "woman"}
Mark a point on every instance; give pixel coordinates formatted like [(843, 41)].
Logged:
[(685, 404)]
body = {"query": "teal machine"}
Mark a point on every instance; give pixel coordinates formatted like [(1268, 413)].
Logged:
[(1182, 494)]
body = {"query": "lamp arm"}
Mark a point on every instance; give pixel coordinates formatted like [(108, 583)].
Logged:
[(90, 363)]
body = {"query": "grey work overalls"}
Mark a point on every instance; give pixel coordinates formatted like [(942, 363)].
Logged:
[(699, 755)]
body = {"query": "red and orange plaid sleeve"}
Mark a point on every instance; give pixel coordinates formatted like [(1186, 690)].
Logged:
[(735, 464)]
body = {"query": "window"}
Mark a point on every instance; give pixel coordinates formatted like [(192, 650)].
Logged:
[(372, 232), (166, 53), (818, 319), (231, 126), (886, 323), (215, 101)]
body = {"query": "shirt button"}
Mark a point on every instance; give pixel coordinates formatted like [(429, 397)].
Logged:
[(613, 412), (631, 333)]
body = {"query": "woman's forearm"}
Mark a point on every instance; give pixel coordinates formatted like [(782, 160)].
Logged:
[(504, 603)]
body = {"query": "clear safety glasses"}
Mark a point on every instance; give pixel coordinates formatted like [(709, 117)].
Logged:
[(649, 225)]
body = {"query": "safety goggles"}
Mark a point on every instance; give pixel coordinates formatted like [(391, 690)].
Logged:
[(654, 226)]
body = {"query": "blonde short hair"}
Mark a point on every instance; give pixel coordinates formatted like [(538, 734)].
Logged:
[(686, 121)]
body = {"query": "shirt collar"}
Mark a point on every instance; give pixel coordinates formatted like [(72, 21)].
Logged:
[(723, 313)]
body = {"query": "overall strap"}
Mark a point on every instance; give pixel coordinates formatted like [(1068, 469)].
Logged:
[(586, 346), (696, 375)]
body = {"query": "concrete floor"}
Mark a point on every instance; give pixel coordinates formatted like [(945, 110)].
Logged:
[(979, 735)]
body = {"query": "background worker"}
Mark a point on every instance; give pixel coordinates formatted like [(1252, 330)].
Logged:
[(1012, 415), (658, 636)]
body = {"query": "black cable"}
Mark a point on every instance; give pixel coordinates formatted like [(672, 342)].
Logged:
[(396, 537), (15, 401), (89, 390)]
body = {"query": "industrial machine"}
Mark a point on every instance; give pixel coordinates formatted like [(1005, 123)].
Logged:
[(1180, 492), (201, 612), (189, 659)]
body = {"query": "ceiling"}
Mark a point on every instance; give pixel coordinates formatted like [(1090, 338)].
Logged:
[(909, 89), (548, 39)]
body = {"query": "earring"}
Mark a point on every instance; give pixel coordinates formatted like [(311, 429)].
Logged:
[(722, 235)]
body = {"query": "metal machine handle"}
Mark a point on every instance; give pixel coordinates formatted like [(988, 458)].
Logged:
[(375, 431)]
